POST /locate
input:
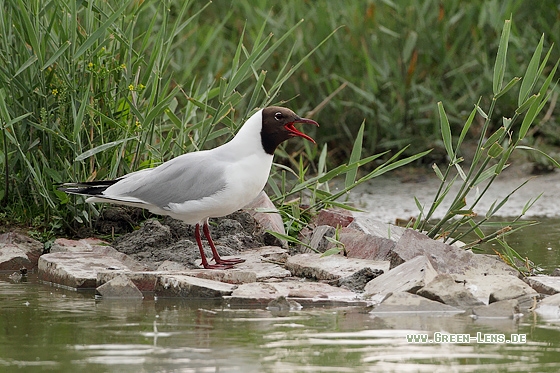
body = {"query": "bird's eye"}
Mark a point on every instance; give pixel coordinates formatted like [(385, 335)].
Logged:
[(278, 116)]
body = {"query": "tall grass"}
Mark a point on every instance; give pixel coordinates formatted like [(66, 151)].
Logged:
[(492, 154), (97, 89)]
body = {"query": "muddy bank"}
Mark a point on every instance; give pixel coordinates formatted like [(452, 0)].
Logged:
[(392, 197)]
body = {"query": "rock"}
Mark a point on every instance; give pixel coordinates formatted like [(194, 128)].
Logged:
[(64, 245), (269, 218), (409, 277), (333, 217), (358, 244), (19, 251), (304, 292), (544, 284), (265, 262), (444, 289), (377, 228), (358, 280), (119, 287), (556, 272), (446, 258), (502, 309), (330, 267), (483, 286), (170, 265), (318, 241), (143, 280), (282, 306), (512, 291), (190, 287), (411, 304), (549, 307), (78, 270), (231, 276)]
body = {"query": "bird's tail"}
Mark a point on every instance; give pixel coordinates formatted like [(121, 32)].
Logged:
[(87, 188)]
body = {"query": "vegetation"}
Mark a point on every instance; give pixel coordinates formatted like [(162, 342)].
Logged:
[(492, 153), (93, 90)]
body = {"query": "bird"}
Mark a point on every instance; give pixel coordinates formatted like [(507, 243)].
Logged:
[(196, 186)]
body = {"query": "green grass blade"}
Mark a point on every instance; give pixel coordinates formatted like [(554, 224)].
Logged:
[(531, 75), (446, 131), (101, 148), (355, 156), (500, 65)]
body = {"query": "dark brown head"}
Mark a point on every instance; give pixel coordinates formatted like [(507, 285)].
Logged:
[(278, 126)]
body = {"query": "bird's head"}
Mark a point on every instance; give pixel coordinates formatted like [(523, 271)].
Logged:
[(278, 125)]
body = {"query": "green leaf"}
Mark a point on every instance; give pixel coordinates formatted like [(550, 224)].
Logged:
[(100, 31), (101, 148), (445, 131), (332, 251), (355, 156), (554, 161), (508, 86), (409, 45), (531, 74), (500, 65), (438, 172)]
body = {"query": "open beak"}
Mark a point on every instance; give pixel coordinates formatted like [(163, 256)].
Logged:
[(294, 132)]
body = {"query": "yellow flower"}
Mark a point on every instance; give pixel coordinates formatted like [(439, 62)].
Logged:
[(90, 65), (131, 87), (54, 92), (123, 66)]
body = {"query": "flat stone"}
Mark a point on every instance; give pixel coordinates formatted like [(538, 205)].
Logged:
[(143, 280), (446, 258), (119, 287), (230, 276), (190, 287), (544, 284), (77, 270), (332, 267), (406, 303), (376, 228), (549, 307), (83, 245), (19, 251), (170, 265), (408, 277), (304, 292), (358, 244), (334, 217), (444, 289), (502, 286), (514, 290), (265, 262), (503, 309)]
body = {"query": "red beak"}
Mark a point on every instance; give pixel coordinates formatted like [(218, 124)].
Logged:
[(294, 132)]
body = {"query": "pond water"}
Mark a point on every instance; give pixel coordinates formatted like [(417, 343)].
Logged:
[(45, 328)]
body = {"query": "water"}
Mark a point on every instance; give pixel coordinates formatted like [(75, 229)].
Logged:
[(49, 329)]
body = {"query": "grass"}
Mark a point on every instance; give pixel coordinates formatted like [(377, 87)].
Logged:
[(93, 90), (493, 151)]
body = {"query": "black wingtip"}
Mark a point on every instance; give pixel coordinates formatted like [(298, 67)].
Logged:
[(88, 188)]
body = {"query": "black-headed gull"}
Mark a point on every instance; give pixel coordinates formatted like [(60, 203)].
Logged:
[(205, 184)]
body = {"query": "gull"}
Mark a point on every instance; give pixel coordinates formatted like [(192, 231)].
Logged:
[(196, 186)]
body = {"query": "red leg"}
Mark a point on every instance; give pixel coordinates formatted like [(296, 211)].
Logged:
[(205, 263), (215, 254)]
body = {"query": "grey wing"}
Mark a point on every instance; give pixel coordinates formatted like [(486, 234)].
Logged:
[(191, 176)]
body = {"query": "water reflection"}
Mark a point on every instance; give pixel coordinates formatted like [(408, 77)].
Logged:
[(51, 329)]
